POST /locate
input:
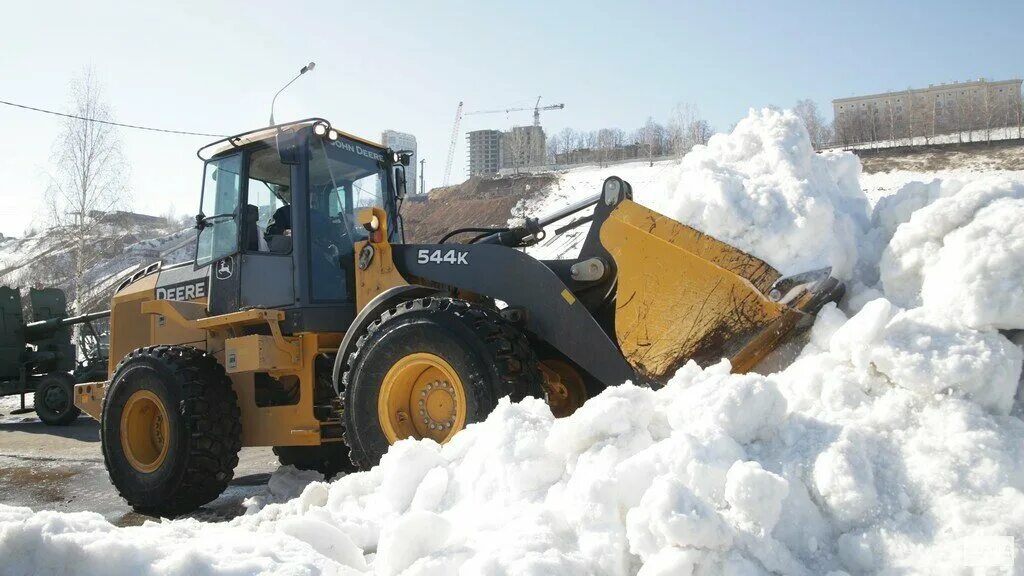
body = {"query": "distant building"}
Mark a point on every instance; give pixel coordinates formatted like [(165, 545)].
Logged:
[(938, 109), (523, 146), (402, 141), (484, 152)]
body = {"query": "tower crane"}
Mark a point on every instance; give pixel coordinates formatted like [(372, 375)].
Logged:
[(536, 110), (451, 146)]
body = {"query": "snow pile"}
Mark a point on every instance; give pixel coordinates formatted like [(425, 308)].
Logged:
[(760, 188), (888, 445), (835, 463), (764, 190), (961, 253)]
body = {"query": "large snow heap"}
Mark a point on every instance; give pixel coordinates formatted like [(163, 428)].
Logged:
[(764, 190), (892, 444)]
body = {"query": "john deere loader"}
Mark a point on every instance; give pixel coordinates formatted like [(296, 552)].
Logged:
[(306, 323)]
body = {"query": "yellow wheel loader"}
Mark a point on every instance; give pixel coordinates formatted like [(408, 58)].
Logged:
[(306, 323)]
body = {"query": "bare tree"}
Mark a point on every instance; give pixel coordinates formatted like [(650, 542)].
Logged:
[(554, 148), (910, 125), (988, 112), (683, 115), (817, 127), (687, 129), (569, 141), (90, 177), (1018, 113), (518, 149), (650, 137), (962, 115), (932, 114), (699, 132)]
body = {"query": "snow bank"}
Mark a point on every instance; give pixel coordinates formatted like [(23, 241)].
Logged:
[(961, 253), (833, 464), (886, 446)]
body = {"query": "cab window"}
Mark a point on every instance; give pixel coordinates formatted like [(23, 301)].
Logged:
[(221, 191), (267, 223), (343, 177)]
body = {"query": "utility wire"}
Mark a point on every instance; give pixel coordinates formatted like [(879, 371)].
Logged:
[(109, 122)]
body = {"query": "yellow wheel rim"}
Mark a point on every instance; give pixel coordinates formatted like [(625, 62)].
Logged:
[(421, 397), (144, 431)]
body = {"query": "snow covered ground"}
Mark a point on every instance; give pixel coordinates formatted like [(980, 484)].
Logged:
[(893, 443), (966, 136)]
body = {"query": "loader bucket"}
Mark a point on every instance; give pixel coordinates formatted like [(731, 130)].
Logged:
[(685, 295)]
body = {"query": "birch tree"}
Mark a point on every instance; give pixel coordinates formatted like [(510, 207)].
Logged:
[(88, 179), (817, 126)]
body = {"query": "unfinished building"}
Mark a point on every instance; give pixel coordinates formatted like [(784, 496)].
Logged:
[(484, 152)]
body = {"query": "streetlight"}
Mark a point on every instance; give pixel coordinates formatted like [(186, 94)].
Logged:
[(304, 69)]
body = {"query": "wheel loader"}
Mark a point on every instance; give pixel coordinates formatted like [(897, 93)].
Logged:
[(305, 322)]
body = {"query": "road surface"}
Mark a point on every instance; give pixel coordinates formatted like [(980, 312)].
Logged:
[(61, 468)]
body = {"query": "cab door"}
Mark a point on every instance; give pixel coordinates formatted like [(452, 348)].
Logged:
[(218, 242)]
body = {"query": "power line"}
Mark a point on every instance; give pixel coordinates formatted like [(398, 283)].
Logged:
[(109, 122)]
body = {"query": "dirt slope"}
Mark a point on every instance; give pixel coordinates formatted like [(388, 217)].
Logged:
[(476, 202)]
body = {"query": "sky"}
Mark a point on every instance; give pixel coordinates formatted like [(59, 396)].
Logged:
[(214, 67)]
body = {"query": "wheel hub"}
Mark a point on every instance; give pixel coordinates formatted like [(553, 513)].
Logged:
[(144, 431), (56, 399), (421, 397), (563, 387)]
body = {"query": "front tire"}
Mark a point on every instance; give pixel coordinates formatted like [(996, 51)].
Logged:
[(427, 369), (54, 399), (171, 429)]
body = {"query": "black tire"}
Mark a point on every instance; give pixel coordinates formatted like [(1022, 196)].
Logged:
[(204, 429), (491, 356), (328, 459), (54, 399)]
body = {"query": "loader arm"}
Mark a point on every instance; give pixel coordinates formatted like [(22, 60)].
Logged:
[(552, 311)]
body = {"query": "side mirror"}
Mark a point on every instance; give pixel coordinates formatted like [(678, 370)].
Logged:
[(404, 157), (400, 181)]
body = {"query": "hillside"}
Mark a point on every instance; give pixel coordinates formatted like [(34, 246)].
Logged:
[(996, 155), (475, 202), (45, 257)]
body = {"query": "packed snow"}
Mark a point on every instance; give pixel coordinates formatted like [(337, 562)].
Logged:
[(892, 444)]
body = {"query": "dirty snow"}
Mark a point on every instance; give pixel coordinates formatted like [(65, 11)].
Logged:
[(892, 444)]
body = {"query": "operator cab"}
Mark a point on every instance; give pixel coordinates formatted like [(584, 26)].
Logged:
[(277, 223)]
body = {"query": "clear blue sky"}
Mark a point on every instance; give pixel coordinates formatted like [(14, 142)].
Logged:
[(214, 66)]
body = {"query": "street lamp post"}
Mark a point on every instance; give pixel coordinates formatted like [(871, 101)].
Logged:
[(304, 69)]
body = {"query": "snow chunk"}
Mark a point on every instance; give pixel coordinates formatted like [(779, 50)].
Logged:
[(963, 255), (756, 493), (669, 514)]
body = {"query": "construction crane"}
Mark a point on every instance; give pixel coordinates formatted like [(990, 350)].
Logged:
[(536, 110), (451, 146)]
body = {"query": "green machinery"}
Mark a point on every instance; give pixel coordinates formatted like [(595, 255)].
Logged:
[(39, 356)]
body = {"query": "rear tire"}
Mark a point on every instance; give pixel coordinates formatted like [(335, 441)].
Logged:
[(465, 353), (54, 399), (171, 429)]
